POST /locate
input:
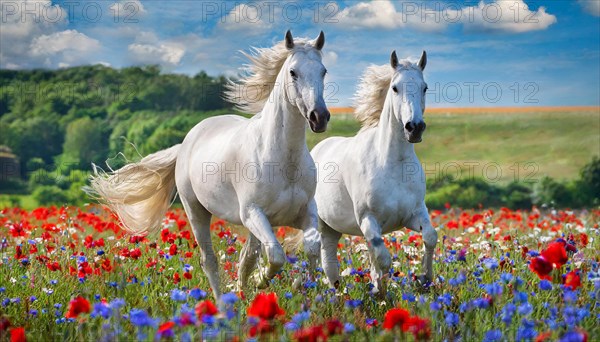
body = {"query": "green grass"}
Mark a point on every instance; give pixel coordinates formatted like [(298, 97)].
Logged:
[(555, 144)]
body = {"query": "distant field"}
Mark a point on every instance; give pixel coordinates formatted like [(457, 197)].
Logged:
[(556, 141)]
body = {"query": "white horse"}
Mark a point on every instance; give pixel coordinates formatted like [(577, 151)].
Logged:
[(255, 172), (372, 184)]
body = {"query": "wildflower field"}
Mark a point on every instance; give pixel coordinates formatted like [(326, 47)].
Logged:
[(71, 274)]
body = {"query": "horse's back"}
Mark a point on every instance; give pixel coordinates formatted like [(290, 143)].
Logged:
[(207, 148)]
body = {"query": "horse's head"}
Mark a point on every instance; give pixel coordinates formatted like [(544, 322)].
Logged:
[(408, 89), (304, 81)]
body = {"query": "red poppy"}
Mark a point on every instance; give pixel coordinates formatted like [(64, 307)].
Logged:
[(231, 250), (17, 335), (78, 306), (265, 306), (135, 253), (573, 280), (310, 334), (206, 307), (176, 278), (419, 327), (545, 336), (556, 254), (334, 327), (395, 317), (263, 327), (166, 329), (187, 275), (583, 238), (173, 249), (541, 267)]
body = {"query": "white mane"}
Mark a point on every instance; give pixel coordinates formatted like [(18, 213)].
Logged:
[(372, 90), (250, 93)]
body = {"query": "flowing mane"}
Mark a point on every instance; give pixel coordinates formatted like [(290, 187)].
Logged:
[(372, 90), (251, 92)]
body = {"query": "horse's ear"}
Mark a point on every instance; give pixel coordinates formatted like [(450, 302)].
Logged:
[(320, 41), (289, 40), (423, 60), (394, 60)]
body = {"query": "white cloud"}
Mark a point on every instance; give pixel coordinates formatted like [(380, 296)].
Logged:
[(503, 16), (22, 22), (246, 18), (127, 9), (329, 57), (165, 54), (69, 41), (384, 15), (591, 6), (507, 16)]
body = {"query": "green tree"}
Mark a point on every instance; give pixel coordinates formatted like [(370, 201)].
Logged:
[(85, 142)]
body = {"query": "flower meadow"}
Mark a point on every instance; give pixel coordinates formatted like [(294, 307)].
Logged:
[(500, 275)]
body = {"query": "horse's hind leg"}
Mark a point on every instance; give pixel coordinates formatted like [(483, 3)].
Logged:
[(248, 257), (254, 219), (312, 238), (199, 219), (329, 260)]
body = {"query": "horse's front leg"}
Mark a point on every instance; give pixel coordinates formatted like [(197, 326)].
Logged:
[(257, 223), (308, 223), (420, 222), (381, 259)]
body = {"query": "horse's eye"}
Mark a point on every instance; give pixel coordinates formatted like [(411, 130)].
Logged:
[(425, 90), (395, 89), (324, 72), (293, 73)]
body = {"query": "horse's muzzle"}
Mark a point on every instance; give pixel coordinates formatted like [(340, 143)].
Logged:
[(318, 119), (414, 131)]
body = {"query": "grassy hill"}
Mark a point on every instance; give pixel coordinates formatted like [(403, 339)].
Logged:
[(557, 142)]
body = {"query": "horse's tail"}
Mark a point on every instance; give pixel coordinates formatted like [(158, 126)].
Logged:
[(293, 241), (139, 193)]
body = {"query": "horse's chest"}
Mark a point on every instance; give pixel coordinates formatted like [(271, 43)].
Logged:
[(393, 199), (286, 206)]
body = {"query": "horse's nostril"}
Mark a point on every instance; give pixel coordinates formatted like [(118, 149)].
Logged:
[(312, 116), (421, 126), (409, 127)]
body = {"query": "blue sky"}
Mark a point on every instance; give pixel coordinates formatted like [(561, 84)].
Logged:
[(489, 53)]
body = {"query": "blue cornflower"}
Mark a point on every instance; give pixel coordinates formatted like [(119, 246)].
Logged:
[(520, 297), (101, 309), (490, 263), (353, 303), (197, 294), (140, 318), (117, 303), (291, 326), (493, 335), (526, 331), (451, 319), (292, 259), (32, 299), (573, 336), (33, 312), (505, 277), (301, 317), (493, 289), (178, 295), (348, 328), (409, 297), (545, 285), (229, 298), (507, 313), (481, 303), (435, 306), (525, 309), (100, 252), (288, 295)]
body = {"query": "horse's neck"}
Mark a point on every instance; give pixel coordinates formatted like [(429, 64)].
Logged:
[(391, 144), (283, 127)]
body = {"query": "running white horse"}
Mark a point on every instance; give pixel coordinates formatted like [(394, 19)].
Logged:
[(255, 172), (373, 184)]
